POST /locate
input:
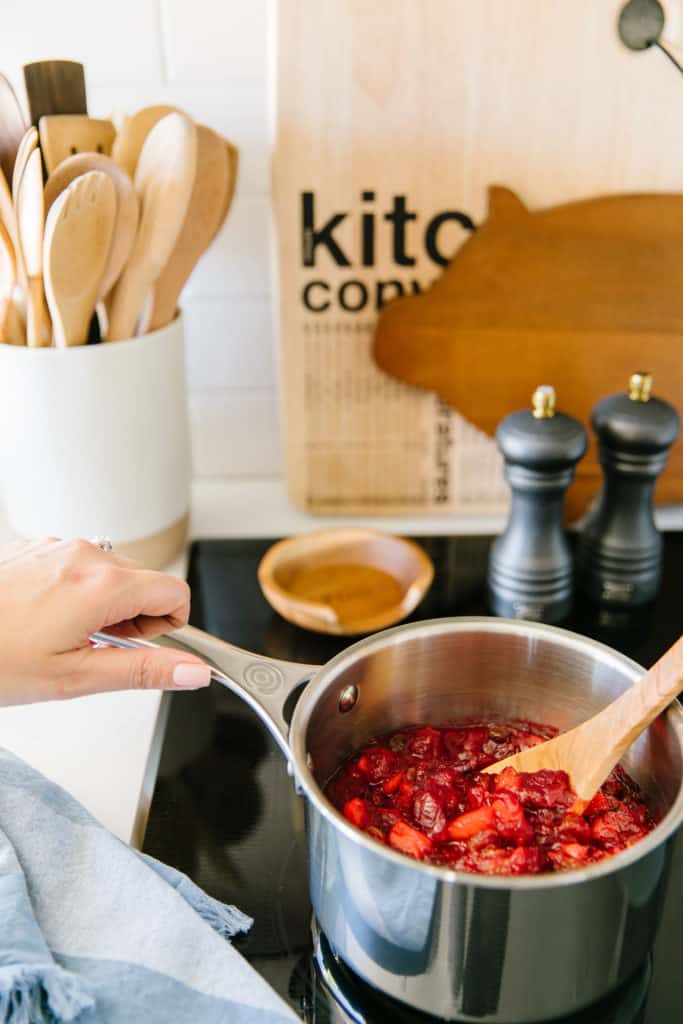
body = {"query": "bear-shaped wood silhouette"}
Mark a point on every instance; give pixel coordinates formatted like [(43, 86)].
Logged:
[(578, 296)]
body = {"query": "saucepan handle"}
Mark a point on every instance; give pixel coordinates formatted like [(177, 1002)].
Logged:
[(264, 684)]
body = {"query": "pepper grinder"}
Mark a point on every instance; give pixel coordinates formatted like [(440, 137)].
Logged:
[(530, 566), (620, 551)]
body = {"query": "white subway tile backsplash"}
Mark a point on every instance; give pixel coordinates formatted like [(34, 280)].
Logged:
[(234, 433), (114, 41), (208, 41), (228, 343), (238, 260), (237, 109)]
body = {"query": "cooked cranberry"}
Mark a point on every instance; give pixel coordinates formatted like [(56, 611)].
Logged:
[(425, 743), (378, 763), (421, 790), (574, 829), (428, 812)]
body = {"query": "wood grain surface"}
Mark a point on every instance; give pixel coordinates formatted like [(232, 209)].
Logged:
[(434, 103), (578, 296)]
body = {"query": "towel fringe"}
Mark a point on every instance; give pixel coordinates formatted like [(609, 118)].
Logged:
[(41, 994), (225, 919)]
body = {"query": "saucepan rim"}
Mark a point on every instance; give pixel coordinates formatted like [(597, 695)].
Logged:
[(576, 876)]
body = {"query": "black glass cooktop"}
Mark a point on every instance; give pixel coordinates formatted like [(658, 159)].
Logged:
[(224, 809)]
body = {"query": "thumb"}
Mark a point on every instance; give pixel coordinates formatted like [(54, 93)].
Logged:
[(108, 668)]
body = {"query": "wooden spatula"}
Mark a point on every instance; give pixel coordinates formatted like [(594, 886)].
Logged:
[(78, 234), (65, 134), (30, 212), (127, 207), (164, 179), (12, 127), (55, 87), (133, 132), (589, 752), (205, 213)]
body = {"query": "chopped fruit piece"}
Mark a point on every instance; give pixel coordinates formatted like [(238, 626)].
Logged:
[(471, 822), (508, 779), (598, 805), (392, 784), (421, 790), (357, 812), (409, 840)]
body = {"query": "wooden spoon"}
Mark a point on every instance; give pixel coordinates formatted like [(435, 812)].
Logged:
[(12, 127), (164, 180), (30, 219), (127, 207), (133, 132), (12, 330), (589, 752), (78, 235), (205, 213)]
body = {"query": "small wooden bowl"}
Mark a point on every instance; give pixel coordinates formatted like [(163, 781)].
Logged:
[(345, 580)]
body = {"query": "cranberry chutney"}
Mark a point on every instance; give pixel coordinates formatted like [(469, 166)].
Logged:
[(421, 791)]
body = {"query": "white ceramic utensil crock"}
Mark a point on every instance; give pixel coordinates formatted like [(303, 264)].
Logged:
[(95, 441)]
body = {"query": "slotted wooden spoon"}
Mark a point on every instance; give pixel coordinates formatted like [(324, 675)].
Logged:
[(164, 180), (127, 207), (589, 752), (78, 236), (205, 213), (63, 135)]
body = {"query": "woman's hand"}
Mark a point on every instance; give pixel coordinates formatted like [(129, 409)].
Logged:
[(55, 593)]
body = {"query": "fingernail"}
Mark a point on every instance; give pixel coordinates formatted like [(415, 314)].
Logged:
[(191, 676)]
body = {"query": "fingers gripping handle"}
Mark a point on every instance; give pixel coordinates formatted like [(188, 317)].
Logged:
[(263, 683)]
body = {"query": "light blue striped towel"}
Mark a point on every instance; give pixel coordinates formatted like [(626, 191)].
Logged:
[(93, 932)]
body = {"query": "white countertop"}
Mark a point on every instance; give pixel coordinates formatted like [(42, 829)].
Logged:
[(104, 749)]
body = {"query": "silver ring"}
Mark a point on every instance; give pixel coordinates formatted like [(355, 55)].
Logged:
[(103, 543)]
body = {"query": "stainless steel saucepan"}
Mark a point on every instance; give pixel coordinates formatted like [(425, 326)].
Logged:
[(471, 947)]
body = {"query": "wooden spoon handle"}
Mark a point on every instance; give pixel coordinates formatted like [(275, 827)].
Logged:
[(12, 326), (37, 318), (126, 302), (614, 729)]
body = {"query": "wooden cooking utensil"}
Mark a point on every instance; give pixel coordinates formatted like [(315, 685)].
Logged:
[(164, 180), (28, 143), (233, 160), (133, 132), (127, 207), (589, 752), (65, 134), (78, 234), (55, 87), (346, 580), (205, 213), (12, 329), (12, 127), (504, 313), (7, 215), (30, 213)]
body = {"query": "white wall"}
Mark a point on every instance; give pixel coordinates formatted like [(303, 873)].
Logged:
[(208, 57)]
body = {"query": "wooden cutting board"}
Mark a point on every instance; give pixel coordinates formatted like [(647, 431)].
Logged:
[(392, 120), (578, 296)]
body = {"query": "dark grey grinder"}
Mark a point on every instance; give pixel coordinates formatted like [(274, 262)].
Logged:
[(620, 550), (530, 566)]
